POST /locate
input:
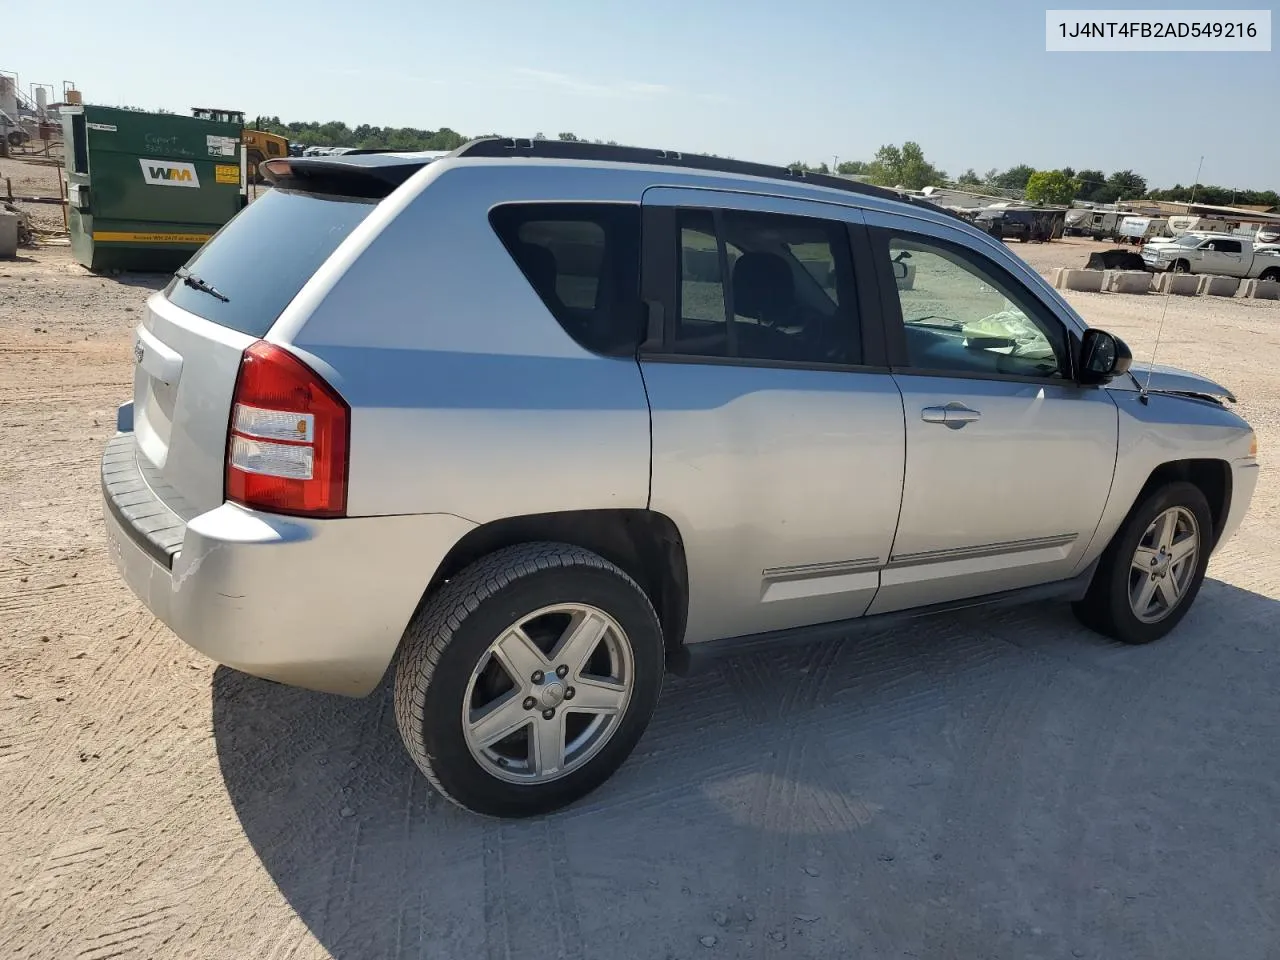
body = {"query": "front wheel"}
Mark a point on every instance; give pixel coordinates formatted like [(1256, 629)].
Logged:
[(528, 679), (1152, 570), (1181, 266), (1270, 274)]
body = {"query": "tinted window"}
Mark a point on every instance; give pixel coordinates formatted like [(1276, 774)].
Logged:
[(583, 259), (764, 286), (260, 260), (962, 314), (1226, 246)]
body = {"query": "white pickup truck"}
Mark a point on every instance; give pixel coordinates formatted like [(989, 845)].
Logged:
[(1225, 256)]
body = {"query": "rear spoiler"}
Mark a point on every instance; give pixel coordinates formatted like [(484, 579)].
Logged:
[(351, 174)]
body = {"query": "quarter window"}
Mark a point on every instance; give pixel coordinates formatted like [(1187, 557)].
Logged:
[(759, 286), (583, 260), (960, 314)]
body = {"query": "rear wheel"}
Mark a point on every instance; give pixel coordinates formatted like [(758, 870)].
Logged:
[(528, 679), (1152, 570), (1271, 273), (252, 159)]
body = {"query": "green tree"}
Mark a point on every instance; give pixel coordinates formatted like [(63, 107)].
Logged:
[(969, 178), (1015, 178), (1051, 187), (1126, 185), (1218, 196), (853, 168), (905, 167), (1092, 182), (567, 137)]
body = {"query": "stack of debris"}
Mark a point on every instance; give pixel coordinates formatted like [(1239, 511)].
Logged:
[(1115, 260), (15, 230)]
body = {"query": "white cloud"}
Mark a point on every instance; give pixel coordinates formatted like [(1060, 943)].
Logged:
[(588, 88)]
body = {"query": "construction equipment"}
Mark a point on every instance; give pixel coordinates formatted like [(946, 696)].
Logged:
[(146, 190), (259, 145)]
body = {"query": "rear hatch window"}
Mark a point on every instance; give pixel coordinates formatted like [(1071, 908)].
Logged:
[(261, 259)]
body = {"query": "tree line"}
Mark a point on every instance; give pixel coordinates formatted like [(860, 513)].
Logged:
[(335, 133), (907, 167), (892, 166)]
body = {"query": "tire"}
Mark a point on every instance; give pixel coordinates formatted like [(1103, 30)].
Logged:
[(450, 663), (1271, 273), (251, 163), (1109, 608), (1180, 266)]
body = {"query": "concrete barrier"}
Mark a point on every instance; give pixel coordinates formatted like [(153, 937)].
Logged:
[(1263, 289), (8, 234), (1055, 277), (1127, 281), (1178, 284), (1220, 286), (1088, 281)]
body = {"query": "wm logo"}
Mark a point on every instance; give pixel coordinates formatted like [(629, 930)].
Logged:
[(169, 173)]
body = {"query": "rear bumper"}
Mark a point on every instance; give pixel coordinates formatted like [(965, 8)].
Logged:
[(313, 603)]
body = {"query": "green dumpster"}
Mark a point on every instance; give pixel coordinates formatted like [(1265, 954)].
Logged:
[(145, 190)]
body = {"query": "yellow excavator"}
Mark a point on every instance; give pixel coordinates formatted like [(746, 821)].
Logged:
[(258, 144)]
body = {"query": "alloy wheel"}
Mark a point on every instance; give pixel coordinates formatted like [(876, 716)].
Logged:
[(1164, 564), (548, 693)]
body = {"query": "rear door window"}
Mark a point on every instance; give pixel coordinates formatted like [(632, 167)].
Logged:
[(261, 259), (583, 261), (765, 286)]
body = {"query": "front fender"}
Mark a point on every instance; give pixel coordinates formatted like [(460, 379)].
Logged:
[(1163, 429)]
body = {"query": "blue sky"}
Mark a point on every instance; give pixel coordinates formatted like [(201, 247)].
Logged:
[(753, 79)]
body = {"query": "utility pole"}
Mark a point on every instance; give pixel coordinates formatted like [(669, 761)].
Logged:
[(1197, 183), (835, 164)]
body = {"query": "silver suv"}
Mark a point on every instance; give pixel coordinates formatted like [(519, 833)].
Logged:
[(544, 420)]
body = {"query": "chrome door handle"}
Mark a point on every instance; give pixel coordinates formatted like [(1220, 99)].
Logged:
[(954, 415)]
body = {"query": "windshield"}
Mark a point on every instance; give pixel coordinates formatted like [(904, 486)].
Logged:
[(1189, 241), (259, 261)]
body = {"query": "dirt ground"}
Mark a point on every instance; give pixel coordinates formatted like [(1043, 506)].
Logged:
[(998, 784)]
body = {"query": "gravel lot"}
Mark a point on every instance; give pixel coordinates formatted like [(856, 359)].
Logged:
[(1001, 784)]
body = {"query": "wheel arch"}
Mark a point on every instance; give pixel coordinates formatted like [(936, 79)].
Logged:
[(643, 543), (1213, 477)]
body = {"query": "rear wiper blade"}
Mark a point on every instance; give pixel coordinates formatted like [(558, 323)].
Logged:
[(195, 283)]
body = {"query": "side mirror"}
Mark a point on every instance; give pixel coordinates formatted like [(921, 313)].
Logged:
[(1103, 356), (899, 270)]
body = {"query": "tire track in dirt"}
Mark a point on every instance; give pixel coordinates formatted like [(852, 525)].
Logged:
[(529, 910)]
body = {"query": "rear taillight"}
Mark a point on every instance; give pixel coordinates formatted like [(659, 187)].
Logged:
[(287, 445)]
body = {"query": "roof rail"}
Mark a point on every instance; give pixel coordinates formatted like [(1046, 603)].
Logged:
[(611, 153)]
